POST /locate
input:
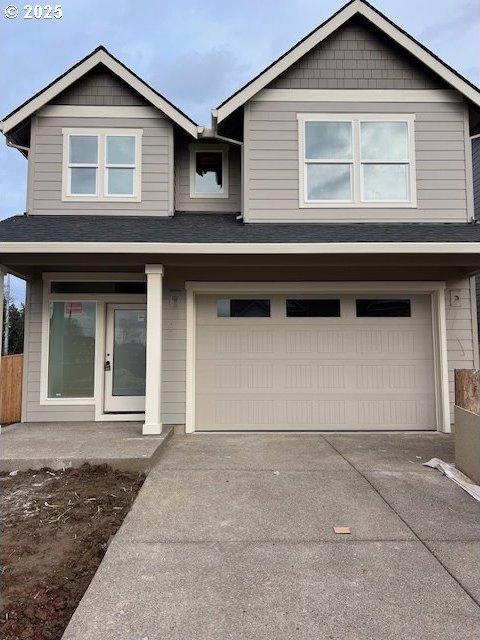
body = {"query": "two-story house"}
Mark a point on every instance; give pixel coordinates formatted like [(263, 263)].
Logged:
[(305, 263)]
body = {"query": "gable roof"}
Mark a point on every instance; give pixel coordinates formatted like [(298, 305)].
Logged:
[(99, 56), (337, 20)]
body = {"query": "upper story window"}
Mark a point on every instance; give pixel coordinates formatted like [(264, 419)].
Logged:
[(102, 165), (364, 160), (208, 171)]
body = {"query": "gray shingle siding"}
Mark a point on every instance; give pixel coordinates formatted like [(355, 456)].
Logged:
[(100, 88), (357, 56)]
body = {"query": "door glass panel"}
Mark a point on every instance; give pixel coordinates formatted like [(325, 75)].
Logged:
[(129, 352)]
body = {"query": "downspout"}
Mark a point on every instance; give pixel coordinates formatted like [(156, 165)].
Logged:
[(203, 132)]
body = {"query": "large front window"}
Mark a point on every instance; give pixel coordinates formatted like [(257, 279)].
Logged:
[(360, 160), (71, 352), (101, 165)]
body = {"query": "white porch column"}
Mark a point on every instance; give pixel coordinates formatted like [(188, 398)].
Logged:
[(153, 380)]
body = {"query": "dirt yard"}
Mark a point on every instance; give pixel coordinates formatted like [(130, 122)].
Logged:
[(56, 528)]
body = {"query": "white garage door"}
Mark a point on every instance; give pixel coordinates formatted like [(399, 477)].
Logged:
[(268, 362)]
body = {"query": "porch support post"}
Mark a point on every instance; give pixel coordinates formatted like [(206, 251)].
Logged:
[(153, 379)]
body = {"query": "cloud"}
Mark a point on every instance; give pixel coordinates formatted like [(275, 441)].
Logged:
[(197, 81), (464, 16)]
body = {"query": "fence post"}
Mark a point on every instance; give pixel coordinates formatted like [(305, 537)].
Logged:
[(467, 389), (467, 422)]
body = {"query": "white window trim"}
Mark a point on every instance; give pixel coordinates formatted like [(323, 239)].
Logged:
[(357, 165), (102, 167), (100, 299), (223, 149)]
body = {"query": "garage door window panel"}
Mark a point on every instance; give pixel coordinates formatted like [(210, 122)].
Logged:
[(311, 308), (383, 308), (243, 308)]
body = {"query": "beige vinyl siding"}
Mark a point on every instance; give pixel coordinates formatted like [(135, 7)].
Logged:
[(157, 166), (174, 348), (100, 87), (33, 411), (357, 56), (272, 163), (183, 201)]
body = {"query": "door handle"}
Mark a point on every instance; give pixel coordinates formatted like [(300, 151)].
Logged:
[(107, 365)]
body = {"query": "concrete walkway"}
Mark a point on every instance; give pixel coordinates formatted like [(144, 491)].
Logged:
[(231, 537), (61, 445)]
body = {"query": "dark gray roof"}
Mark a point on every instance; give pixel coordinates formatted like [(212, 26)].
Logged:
[(210, 227)]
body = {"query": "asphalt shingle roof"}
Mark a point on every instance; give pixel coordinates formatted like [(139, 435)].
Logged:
[(220, 228)]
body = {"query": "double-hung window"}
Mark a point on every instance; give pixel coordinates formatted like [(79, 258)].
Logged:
[(102, 165), (364, 160)]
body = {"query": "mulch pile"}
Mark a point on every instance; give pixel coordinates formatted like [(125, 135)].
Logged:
[(56, 528)]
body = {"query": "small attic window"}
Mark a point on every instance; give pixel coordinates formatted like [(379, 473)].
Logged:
[(208, 171)]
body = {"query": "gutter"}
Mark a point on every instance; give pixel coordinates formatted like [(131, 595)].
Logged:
[(212, 133), (245, 248)]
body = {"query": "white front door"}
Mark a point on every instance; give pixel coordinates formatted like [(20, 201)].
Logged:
[(125, 358)]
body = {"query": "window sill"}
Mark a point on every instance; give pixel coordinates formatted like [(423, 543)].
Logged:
[(66, 401), (98, 200), (357, 205)]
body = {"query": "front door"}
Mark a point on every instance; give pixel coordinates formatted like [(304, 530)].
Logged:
[(125, 358)]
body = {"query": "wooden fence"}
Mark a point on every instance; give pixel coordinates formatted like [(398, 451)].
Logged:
[(11, 373)]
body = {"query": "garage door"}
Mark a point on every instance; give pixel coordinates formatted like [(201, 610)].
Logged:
[(286, 362)]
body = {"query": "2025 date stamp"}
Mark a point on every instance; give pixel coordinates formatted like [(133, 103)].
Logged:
[(34, 11)]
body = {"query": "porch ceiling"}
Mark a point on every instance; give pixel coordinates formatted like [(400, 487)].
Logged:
[(240, 267)]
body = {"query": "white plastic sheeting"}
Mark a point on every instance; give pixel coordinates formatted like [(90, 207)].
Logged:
[(457, 476)]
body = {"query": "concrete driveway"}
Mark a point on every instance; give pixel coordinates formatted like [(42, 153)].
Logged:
[(232, 537)]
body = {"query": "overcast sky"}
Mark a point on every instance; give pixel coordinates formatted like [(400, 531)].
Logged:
[(195, 53)]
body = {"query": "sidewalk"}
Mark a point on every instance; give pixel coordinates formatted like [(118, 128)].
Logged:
[(232, 536)]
